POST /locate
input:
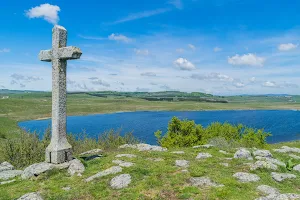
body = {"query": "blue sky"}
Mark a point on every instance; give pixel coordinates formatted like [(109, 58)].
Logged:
[(216, 46)]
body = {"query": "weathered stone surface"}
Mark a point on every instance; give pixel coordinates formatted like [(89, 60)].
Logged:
[(143, 147), (271, 160), (7, 182), (223, 152), (294, 156), (182, 163), (267, 190), (62, 165), (36, 169), (6, 166), (261, 164), (112, 170), (286, 149), (279, 177), (66, 188), (123, 163), (121, 181), (203, 155), (273, 194), (5, 175), (203, 182), (224, 164), (31, 196), (178, 152), (263, 153), (76, 167), (246, 177), (206, 146), (126, 155), (93, 151), (297, 168), (243, 154), (155, 159)]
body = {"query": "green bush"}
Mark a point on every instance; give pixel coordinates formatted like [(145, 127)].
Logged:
[(185, 133)]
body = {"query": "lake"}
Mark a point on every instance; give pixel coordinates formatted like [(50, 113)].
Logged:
[(283, 124)]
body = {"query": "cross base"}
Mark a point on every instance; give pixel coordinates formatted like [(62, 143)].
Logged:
[(58, 156)]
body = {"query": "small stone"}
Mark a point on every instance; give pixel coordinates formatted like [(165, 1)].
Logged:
[(5, 166), (7, 182), (203, 156), (5, 175), (263, 153), (261, 164), (123, 163), (203, 182), (297, 168), (178, 152), (121, 181), (286, 149), (182, 163), (243, 154), (31, 196), (93, 151), (155, 159), (36, 169), (125, 155), (76, 167), (223, 152), (112, 170), (225, 164), (143, 147), (246, 177), (294, 156), (267, 190), (279, 177), (66, 188)]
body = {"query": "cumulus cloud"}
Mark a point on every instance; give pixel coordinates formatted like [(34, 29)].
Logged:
[(142, 52), (119, 37), (184, 64), (246, 59), (239, 84), (213, 77), (217, 49), (46, 11), (287, 47), (271, 84), (252, 79), (177, 3), (148, 74), (192, 46), (5, 50)]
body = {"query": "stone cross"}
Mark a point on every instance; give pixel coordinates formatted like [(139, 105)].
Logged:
[(59, 150)]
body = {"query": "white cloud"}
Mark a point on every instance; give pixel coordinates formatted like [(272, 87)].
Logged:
[(192, 46), (177, 3), (217, 49), (5, 50), (179, 50), (142, 52), (47, 11), (213, 77), (119, 37), (270, 84), (239, 84), (252, 79), (184, 64), (287, 47), (148, 74), (247, 59), (97, 81)]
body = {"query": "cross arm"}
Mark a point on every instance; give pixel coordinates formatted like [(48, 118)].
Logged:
[(45, 55), (69, 53)]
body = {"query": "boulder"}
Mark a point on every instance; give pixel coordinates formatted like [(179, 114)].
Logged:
[(267, 190), (31, 196), (203, 156), (182, 163), (121, 181), (7, 182), (76, 167), (122, 163), (246, 177), (112, 170), (279, 177), (271, 160), (126, 155), (243, 154), (6, 166), (93, 151), (36, 169), (297, 168), (5, 175), (294, 156), (261, 164), (263, 153), (203, 182), (223, 152)]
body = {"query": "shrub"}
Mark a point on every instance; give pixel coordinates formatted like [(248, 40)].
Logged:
[(185, 133)]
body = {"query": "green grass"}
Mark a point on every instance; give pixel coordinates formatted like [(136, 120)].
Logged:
[(155, 180)]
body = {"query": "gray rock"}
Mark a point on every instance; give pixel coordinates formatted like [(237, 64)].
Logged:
[(246, 177), (203, 182), (294, 156), (286, 149), (36, 169), (143, 147), (243, 154), (263, 153), (62, 165), (279, 177), (267, 190), (66, 188), (7, 182), (76, 167), (178, 152), (223, 152), (182, 163), (5, 175), (184, 171), (297, 168), (126, 155), (123, 163), (206, 146), (6, 166), (261, 164), (203, 156), (93, 151), (155, 159), (112, 170), (31, 196), (271, 160), (225, 164), (121, 181)]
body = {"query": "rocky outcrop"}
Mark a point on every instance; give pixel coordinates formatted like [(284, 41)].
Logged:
[(182, 163), (121, 181), (6, 175), (246, 177), (6, 166), (243, 154), (122, 163), (31, 196), (271, 193), (143, 147), (286, 149), (93, 151), (203, 156), (261, 164), (76, 167), (112, 170), (203, 182), (279, 177), (263, 153), (36, 169)]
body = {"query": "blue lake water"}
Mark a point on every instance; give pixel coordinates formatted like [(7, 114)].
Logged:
[(283, 124)]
